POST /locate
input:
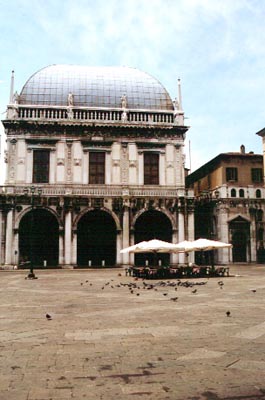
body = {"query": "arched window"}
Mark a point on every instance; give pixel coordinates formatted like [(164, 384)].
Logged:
[(258, 193), (233, 192), (241, 193)]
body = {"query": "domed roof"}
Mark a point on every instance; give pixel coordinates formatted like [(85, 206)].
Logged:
[(95, 87)]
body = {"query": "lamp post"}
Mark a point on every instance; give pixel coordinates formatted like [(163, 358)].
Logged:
[(31, 192)]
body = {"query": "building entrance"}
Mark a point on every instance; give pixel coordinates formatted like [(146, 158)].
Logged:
[(240, 232), (96, 239), (152, 225), (39, 238)]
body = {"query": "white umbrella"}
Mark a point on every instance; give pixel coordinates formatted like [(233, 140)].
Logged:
[(151, 246), (206, 244), (184, 247), (200, 244)]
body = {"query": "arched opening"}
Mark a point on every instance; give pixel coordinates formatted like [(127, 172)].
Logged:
[(241, 193), (240, 233), (233, 192), (39, 238), (96, 239), (152, 225), (258, 193)]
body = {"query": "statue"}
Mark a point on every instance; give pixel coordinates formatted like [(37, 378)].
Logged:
[(176, 104), (15, 98), (70, 99), (124, 101)]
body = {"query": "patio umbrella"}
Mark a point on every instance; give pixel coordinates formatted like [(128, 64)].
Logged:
[(151, 246), (203, 244), (200, 244), (206, 244)]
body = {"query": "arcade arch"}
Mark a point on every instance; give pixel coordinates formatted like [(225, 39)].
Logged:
[(152, 224), (39, 238)]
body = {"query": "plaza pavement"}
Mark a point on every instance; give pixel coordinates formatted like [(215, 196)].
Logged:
[(113, 337)]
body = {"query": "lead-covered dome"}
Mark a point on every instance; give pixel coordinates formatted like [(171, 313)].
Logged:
[(95, 87)]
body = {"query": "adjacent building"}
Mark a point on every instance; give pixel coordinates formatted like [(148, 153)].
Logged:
[(95, 163), (230, 205)]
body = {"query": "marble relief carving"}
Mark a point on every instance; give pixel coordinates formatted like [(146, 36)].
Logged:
[(60, 161)]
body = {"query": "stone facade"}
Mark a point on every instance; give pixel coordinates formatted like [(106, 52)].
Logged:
[(230, 205), (84, 181)]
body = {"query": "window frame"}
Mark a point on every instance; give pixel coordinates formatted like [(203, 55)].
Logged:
[(41, 166), (256, 175), (97, 168), (231, 174), (151, 168)]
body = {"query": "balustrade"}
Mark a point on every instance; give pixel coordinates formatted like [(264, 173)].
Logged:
[(144, 117)]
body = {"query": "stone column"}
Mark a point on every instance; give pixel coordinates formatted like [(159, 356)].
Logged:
[(52, 166), (29, 166), (118, 247), (141, 168), (61, 248), (224, 255), (191, 234), (174, 256), (1, 236), (131, 255), (108, 168), (253, 241), (85, 167), (15, 253), (74, 248), (126, 234), (181, 233), (162, 169), (9, 237), (67, 238)]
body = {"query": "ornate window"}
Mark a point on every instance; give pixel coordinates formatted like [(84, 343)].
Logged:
[(231, 174), (151, 169), (97, 167), (41, 166), (256, 175)]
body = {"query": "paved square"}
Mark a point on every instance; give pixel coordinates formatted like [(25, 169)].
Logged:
[(114, 337)]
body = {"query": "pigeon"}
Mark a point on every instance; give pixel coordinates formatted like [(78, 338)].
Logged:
[(174, 298), (228, 313), (194, 291), (48, 316), (254, 290)]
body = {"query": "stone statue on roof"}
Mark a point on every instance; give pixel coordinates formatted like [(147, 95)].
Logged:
[(70, 99), (124, 101)]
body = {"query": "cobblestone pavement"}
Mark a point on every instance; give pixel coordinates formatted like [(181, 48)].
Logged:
[(113, 337)]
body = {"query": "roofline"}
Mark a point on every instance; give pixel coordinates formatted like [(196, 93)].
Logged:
[(261, 132), (210, 165)]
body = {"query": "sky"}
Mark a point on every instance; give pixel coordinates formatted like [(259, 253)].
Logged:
[(216, 48)]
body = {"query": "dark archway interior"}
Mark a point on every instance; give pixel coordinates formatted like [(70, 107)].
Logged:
[(96, 239), (39, 238), (152, 224), (240, 229)]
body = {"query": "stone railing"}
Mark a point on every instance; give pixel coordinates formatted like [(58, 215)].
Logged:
[(91, 115), (97, 191)]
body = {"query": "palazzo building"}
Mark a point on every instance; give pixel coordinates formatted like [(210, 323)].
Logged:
[(95, 163), (230, 205)]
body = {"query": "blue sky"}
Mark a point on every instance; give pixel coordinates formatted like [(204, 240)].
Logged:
[(216, 47)]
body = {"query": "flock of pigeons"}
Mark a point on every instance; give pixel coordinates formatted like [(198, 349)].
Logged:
[(137, 285)]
